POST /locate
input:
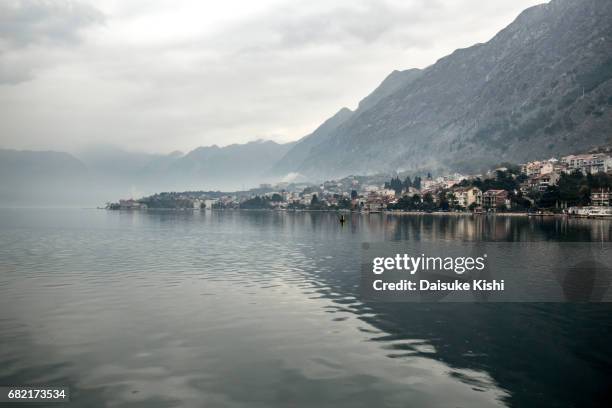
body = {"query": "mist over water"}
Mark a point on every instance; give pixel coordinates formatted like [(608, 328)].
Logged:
[(263, 309)]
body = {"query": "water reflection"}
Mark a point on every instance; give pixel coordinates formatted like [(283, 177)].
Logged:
[(263, 309)]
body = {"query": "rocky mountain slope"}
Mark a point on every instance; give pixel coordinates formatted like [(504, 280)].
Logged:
[(541, 86)]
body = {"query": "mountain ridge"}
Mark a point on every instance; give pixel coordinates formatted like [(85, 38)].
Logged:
[(522, 94)]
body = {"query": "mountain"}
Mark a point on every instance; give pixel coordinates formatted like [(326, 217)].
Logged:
[(540, 87), (230, 167), (300, 151), (391, 83), (103, 173), (40, 178), (303, 147), (111, 160), (208, 167)]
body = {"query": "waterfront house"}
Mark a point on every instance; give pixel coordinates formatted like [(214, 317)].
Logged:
[(466, 196), (495, 199), (131, 204)]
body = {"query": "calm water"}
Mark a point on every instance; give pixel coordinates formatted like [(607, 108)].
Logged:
[(262, 309)]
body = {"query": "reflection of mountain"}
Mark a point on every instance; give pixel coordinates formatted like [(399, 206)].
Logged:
[(510, 342)]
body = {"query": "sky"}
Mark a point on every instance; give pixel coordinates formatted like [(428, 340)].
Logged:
[(159, 76)]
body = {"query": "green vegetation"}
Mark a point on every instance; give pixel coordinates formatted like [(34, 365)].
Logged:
[(166, 200), (256, 203), (574, 189), (399, 185)]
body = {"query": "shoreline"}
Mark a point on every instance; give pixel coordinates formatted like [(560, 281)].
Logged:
[(384, 212)]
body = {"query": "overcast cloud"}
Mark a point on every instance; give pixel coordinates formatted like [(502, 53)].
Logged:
[(159, 76)]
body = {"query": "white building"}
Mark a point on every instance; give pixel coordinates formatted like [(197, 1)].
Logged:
[(588, 163)]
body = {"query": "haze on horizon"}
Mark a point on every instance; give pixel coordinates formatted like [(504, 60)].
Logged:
[(159, 76)]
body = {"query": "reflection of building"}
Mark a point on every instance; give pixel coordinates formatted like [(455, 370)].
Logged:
[(601, 198), (495, 198)]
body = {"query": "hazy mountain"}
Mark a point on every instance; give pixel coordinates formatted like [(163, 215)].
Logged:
[(46, 178), (540, 87), (392, 83), (38, 179), (208, 167), (104, 173), (301, 149), (111, 160), (230, 167)]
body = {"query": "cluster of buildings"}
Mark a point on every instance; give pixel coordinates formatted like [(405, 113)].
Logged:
[(372, 194), (546, 173), (474, 198)]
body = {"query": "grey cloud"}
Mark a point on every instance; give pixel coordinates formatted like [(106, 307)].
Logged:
[(365, 22), (278, 72), (31, 23), (24, 22)]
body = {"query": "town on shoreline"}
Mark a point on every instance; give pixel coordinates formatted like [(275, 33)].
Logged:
[(579, 185)]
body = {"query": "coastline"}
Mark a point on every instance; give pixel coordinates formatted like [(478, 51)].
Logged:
[(384, 212)]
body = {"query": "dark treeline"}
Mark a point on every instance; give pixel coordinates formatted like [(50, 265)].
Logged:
[(398, 185)]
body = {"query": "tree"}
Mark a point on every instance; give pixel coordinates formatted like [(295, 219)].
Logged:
[(407, 182), (256, 203), (453, 201), (417, 183), (550, 197), (354, 194), (396, 185), (443, 200), (428, 203), (277, 197), (344, 203)]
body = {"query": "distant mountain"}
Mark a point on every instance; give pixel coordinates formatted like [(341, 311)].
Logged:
[(40, 178), (541, 86), (111, 160), (230, 167), (208, 167), (103, 173)]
